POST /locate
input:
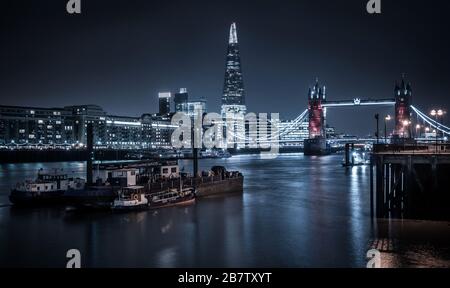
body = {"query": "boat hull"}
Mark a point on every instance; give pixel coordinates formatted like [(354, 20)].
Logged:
[(32, 198), (92, 198), (179, 202), (140, 207), (220, 188)]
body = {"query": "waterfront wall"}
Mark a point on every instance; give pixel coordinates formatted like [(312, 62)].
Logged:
[(31, 156)]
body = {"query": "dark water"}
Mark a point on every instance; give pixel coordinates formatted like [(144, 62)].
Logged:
[(295, 211)]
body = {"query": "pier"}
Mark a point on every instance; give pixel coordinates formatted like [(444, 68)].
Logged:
[(410, 181)]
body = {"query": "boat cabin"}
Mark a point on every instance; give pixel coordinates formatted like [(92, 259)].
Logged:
[(124, 174), (132, 193), (50, 182), (169, 171), (117, 177)]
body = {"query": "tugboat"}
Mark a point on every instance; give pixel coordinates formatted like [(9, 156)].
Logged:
[(130, 198), (48, 188)]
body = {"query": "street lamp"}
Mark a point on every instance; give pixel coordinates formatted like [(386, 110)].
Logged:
[(387, 118), (440, 113), (427, 130), (377, 118), (435, 136), (418, 130), (436, 113), (405, 125)]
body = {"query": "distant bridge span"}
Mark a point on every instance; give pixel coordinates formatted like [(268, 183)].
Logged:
[(318, 103), (359, 102)]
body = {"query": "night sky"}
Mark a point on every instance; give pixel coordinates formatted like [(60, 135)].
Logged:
[(119, 54)]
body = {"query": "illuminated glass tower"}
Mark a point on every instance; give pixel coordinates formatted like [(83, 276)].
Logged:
[(233, 98), (233, 89)]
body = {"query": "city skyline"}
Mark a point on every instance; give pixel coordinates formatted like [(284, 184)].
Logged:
[(191, 135), (281, 57)]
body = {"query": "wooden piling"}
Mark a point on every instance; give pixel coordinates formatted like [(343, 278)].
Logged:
[(401, 192)]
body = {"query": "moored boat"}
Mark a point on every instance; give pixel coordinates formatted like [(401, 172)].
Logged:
[(131, 198), (47, 188), (172, 197)]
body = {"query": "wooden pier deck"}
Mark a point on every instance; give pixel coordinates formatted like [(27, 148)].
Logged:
[(410, 181)]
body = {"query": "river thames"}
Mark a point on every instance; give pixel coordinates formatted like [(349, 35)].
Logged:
[(295, 211)]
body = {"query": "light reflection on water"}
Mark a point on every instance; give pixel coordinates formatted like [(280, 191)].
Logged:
[(296, 211)]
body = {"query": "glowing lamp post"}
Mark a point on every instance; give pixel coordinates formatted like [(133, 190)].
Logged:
[(387, 118), (418, 130), (436, 113)]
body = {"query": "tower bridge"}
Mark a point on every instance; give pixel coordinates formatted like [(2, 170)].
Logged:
[(318, 106), (314, 119), (317, 143)]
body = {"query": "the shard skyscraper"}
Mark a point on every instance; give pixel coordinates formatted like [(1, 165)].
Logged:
[(233, 98), (233, 88)]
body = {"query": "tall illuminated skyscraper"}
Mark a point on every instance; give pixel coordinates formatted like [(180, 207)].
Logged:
[(233, 99), (233, 89)]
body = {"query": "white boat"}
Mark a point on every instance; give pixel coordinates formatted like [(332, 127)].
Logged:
[(47, 188), (130, 198)]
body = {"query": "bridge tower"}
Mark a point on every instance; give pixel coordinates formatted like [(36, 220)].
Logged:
[(317, 142), (402, 111), (316, 96)]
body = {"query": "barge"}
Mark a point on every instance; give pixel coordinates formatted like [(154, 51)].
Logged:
[(47, 188), (172, 197), (154, 180), (135, 198)]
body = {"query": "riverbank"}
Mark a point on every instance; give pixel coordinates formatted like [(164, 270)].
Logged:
[(57, 155)]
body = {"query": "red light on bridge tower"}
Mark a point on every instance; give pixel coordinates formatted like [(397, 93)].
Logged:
[(402, 110), (316, 96)]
